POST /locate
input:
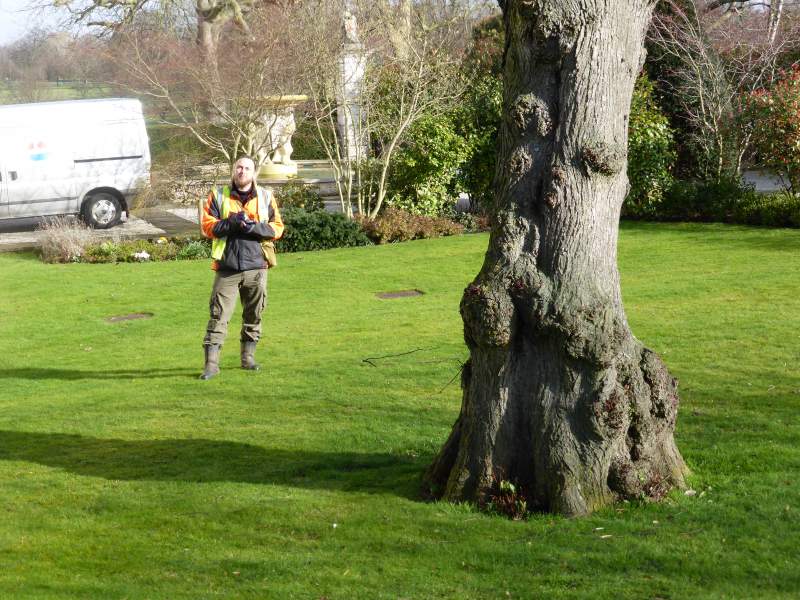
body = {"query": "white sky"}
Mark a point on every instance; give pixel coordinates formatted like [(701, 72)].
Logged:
[(14, 24)]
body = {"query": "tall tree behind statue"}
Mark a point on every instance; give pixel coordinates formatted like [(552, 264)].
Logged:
[(559, 397)]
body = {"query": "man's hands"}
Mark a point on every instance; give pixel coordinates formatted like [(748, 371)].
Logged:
[(240, 222)]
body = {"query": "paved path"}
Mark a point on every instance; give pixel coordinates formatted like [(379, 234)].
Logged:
[(144, 224), (174, 221)]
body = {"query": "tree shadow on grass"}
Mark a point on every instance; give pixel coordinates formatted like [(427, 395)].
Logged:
[(207, 461), (38, 374)]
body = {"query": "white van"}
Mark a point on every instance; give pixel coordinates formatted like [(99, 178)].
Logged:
[(81, 157)]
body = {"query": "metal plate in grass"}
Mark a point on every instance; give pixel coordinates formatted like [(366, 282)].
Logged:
[(399, 294), (130, 317)]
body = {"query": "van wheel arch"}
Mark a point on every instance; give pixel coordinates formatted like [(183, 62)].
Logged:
[(102, 208)]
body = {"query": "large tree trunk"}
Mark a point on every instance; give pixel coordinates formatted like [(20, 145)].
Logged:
[(558, 396), (399, 17), (208, 32)]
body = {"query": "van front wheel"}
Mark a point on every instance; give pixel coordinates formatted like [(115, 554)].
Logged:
[(101, 210)]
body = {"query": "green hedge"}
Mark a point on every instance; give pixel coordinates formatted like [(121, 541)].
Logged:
[(727, 201), (703, 201), (318, 230), (776, 210)]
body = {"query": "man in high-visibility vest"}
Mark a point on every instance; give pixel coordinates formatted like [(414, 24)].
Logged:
[(237, 218)]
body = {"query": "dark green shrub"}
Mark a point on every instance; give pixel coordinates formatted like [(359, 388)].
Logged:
[(478, 120), (471, 221), (445, 154), (705, 200), (318, 230), (776, 113), (395, 225), (479, 113), (651, 153), (425, 167), (467, 220), (774, 210), (296, 194), (728, 201), (679, 203)]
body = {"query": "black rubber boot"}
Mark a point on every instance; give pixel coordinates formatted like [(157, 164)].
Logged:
[(212, 361), (249, 356)]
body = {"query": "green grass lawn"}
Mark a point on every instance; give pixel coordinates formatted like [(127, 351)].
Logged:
[(123, 476), (48, 91)]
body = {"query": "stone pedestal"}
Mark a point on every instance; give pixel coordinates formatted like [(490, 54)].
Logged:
[(352, 68), (272, 170)]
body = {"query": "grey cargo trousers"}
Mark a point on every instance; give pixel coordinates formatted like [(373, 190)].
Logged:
[(251, 287)]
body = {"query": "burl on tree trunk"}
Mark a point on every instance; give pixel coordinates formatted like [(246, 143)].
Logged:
[(558, 396)]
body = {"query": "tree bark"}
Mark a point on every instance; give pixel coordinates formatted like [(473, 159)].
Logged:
[(558, 396), (208, 32), (775, 11), (399, 18)]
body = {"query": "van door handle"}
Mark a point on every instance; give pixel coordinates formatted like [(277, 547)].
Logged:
[(13, 175)]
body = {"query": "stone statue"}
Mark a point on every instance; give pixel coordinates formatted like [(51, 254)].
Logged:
[(280, 127), (350, 28), (274, 131)]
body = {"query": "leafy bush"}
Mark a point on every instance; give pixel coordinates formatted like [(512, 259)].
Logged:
[(774, 210), (705, 200), (318, 230), (467, 220), (395, 225), (64, 240), (478, 121), (776, 115), (471, 221), (114, 251), (298, 195), (131, 251), (425, 167), (195, 249), (728, 201), (651, 153), (305, 230), (479, 113), (445, 154)]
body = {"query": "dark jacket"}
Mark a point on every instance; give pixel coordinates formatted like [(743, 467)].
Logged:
[(242, 250)]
